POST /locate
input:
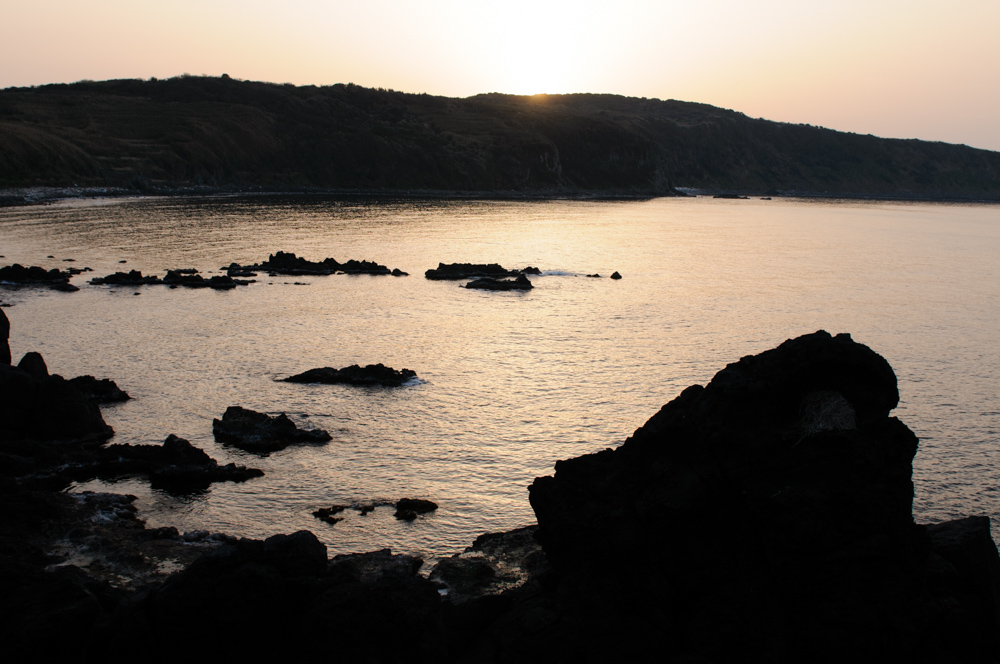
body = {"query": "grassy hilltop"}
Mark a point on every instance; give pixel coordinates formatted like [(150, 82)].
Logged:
[(222, 133)]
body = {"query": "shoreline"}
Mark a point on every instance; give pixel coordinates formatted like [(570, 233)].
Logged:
[(34, 196)]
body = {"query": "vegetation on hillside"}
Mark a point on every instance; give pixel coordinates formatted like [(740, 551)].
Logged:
[(223, 133)]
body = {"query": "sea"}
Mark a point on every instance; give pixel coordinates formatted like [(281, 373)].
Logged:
[(508, 382)]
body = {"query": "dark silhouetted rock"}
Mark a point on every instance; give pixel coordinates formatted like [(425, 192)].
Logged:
[(767, 512), (372, 374), (36, 276), (4, 336), (37, 406), (288, 263), (176, 465), (34, 364), (496, 563), (531, 270), (396, 272), (468, 271), (130, 278), (288, 580), (259, 432), (596, 276), (407, 509), (326, 513), (186, 279), (615, 275), (486, 283), (100, 391)]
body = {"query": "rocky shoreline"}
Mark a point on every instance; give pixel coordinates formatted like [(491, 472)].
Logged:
[(765, 516)]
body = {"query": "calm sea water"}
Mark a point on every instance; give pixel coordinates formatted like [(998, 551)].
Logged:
[(512, 382)]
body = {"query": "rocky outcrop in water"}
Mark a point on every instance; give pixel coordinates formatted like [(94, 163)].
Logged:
[(19, 275), (37, 406), (372, 374), (262, 433), (130, 278), (407, 509), (486, 283), (454, 271), (99, 391), (186, 277), (288, 263)]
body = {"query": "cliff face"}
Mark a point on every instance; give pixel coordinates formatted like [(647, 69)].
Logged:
[(222, 133)]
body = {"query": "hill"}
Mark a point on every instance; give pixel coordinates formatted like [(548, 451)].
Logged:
[(225, 134)]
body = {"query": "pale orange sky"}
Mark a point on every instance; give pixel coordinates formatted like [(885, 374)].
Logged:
[(914, 69)]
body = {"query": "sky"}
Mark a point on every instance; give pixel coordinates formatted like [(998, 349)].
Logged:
[(899, 69)]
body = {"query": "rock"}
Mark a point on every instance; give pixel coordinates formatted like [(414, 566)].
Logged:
[(597, 276), (487, 283), (4, 336), (42, 407), (287, 582), (396, 272), (99, 391), (531, 270), (363, 267), (326, 513), (288, 263), (217, 282), (469, 270), (372, 374), (615, 275), (261, 433), (33, 364), (36, 276), (496, 563), (130, 278), (767, 512), (407, 509)]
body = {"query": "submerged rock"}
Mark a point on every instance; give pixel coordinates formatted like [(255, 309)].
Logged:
[(261, 433), (372, 374), (487, 283)]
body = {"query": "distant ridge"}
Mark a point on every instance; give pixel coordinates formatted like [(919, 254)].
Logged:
[(220, 134)]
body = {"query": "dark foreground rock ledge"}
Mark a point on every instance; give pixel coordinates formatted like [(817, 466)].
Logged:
[(763, 517)]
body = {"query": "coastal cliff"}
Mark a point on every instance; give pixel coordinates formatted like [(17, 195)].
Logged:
[(191, 134), (763, 516)]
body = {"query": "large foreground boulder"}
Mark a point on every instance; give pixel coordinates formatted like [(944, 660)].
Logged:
[(765, 516)]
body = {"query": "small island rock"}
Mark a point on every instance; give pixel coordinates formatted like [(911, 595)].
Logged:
[(261, 433), (372, 374)]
